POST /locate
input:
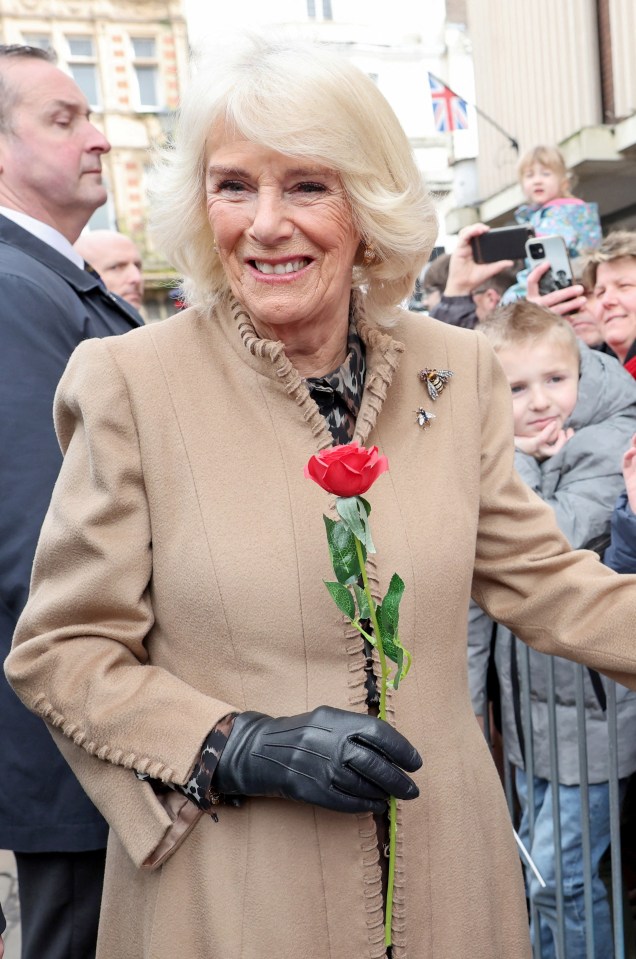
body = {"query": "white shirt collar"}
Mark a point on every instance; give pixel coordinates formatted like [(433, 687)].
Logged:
[(45, 233)]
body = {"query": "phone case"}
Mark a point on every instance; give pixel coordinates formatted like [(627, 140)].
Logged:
[(502, 243), (554, 250)]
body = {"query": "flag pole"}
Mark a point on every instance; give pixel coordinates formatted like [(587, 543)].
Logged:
[(484, 116)]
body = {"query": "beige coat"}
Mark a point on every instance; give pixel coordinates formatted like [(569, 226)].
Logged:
[(179, 576)]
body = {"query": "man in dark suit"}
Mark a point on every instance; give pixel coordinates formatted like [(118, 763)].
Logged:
[(50, 184)]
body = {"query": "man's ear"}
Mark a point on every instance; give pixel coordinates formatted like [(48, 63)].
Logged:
[(5, 146), (492, 298)]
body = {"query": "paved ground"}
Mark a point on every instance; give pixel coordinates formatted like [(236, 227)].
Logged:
[(9, 900)]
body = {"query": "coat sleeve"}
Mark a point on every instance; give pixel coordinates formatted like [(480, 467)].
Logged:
[(79, 658), (558, 600)]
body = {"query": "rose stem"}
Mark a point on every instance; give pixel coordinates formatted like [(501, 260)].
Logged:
[(376, 629), (392, 800), (389, 888)]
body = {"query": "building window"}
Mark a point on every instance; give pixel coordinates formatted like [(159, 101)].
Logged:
[(146, 67), (40, 40), (82, 64)]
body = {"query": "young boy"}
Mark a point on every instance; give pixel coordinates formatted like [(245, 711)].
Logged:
[(574, 412)]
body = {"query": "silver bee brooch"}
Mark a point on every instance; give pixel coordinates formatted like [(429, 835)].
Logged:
[(424, 417), (435, 380)]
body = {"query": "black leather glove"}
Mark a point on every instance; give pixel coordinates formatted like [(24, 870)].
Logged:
[(345, 761)]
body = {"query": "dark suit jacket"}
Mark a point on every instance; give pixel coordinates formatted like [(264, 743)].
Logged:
[(47, 307)]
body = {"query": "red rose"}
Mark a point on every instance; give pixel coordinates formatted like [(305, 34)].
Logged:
[(346, 470)]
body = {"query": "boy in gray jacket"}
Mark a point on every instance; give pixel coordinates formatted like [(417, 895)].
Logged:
[(574, 413)]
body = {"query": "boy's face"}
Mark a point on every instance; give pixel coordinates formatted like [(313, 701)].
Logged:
[(544, 380), (541, 184)]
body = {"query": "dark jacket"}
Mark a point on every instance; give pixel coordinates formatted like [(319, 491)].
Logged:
[(47, 306), (620, 555), (456, 310)]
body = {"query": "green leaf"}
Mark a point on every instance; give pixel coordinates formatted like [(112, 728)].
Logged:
[(366, 504), (342, 598), (392, 650), (354, 514), (363, 602), (391, 605), (398, 672), (342, 549), (349, 510)]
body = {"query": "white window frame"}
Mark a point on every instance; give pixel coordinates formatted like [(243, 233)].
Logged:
[(75, 59), (151, 62)]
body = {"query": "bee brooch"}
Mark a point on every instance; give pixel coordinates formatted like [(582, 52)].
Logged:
[(424, 417), (435, 380)]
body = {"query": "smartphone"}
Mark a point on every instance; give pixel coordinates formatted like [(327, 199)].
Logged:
[(554, 250), (502, 243)]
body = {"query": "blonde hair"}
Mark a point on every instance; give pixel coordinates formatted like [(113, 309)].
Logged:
[(552, 159), (619, 245), (523, 323), (303, 101)]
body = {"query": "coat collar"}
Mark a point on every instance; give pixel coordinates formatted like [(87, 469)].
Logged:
[(268, 358)]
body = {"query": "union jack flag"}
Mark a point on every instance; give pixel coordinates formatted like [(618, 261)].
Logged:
[(449, 110)]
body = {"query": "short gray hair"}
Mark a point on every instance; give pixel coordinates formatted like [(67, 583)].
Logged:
[(300, 99), (8, 93)]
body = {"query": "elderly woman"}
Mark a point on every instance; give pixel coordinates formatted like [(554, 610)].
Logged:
[(177, 612)]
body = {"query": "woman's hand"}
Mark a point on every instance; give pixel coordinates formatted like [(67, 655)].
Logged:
[(569, 300), (464, 274), (350, 762), (549, 441)]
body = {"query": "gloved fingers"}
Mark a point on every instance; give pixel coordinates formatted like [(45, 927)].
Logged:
[(383, 773), (343, 801), (348, 780), (384, 739)]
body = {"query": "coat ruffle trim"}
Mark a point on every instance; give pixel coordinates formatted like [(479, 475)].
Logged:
[(144, 764), (383, 358)]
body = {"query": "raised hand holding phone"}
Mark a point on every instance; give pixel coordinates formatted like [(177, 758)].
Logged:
[(553, 251), (570, 299), (491, 245), (465, 274)]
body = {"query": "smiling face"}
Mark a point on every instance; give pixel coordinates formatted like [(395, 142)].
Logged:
[(544, 380), (615, 303), (50, 160), (285, 236), (541, 184)]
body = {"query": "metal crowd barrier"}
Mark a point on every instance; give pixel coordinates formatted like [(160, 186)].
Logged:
[(623, 927)]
